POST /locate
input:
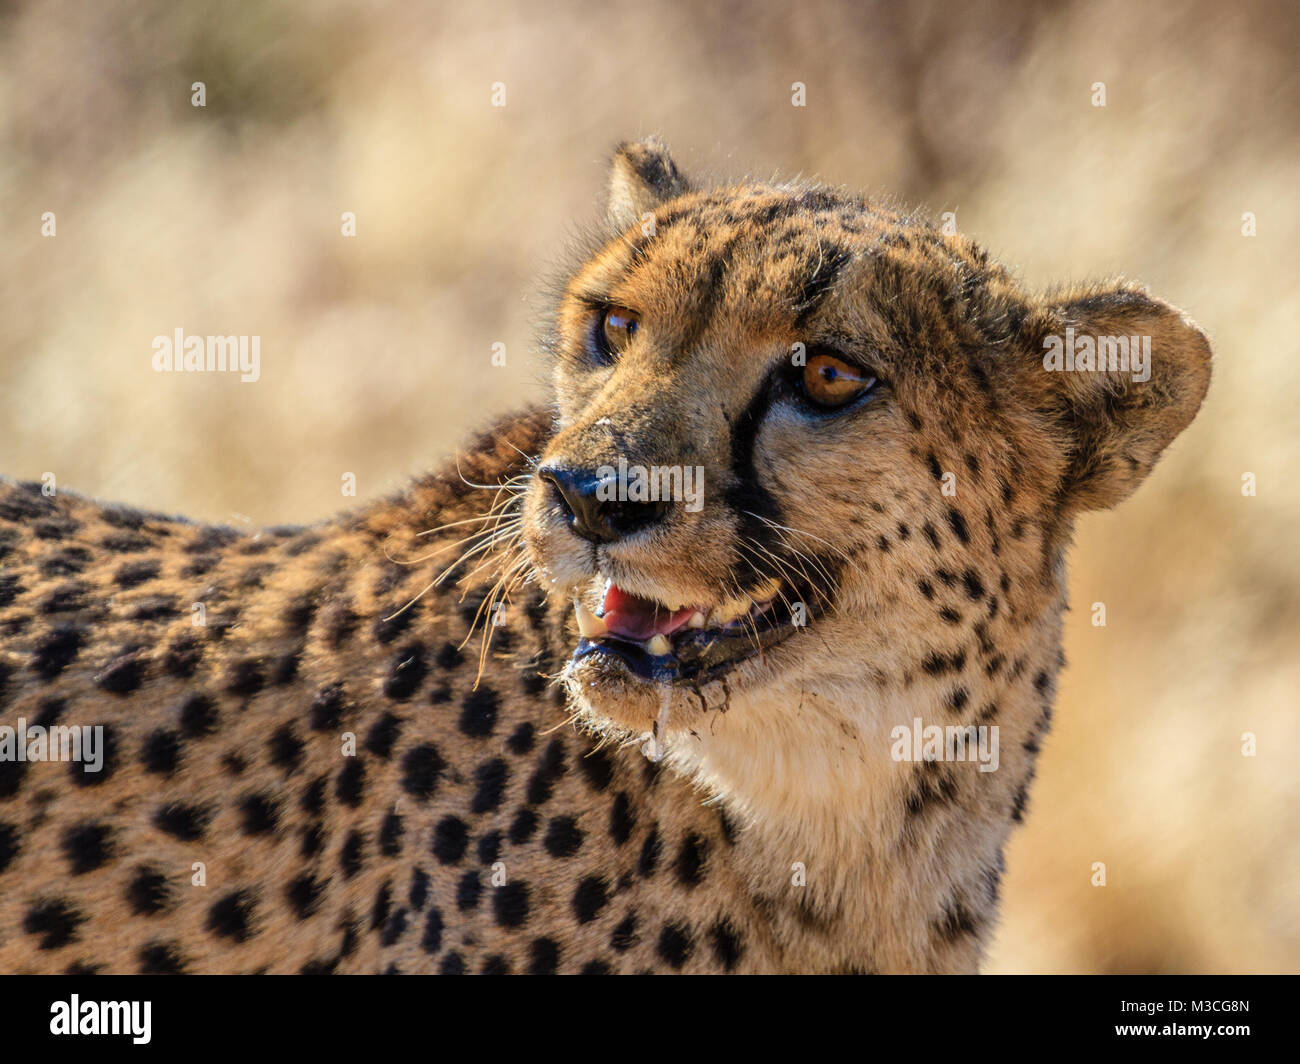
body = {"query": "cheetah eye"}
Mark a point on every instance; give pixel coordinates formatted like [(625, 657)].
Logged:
[(829, 383), (615, 332)]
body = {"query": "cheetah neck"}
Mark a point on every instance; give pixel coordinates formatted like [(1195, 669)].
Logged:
[(866, 855)]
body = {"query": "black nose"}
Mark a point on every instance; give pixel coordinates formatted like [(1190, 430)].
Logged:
[(601, 520)]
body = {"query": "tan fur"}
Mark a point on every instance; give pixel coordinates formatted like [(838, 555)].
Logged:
[(779, 834)]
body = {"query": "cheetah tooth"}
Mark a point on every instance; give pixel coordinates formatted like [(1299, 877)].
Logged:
[(589, 625), (728, 612), (658, 645), (696, 620)]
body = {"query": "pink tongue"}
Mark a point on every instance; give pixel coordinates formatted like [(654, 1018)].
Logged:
[(638, 619)]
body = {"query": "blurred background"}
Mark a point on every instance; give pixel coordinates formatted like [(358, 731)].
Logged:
[(376, 350)]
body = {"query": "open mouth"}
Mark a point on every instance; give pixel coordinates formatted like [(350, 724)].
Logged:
[(685, 645)]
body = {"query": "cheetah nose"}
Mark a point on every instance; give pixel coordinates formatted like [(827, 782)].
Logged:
[(600, 520)]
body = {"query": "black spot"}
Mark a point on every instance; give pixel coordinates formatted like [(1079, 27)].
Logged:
[(950, 615), (452, 964), (260, 814), (419, 893), (244, 678), (974, 587), (449, 656), (383, 904), (450, 840), (545, 957), (55, 920), (936, 470), (351, 858), (624, 936), (326, 708), (495, 965), (350, 784), (182, 657), (313, 797), (675, 945), (489, 847), (121, 675), (421, 768), (563, 838), (132, 574), (926, 588), (958, 525), (78, 771), (394, 929), (549, 770), (478, 714), (726, 944), (1019, 802), (406, 672), (65, 599), (933, 787), (392, 624), (181, 821), (67, 562), (286, 668), (339, 623), (232, 916), (56, 650), (10, 588), (650, 851), (523, 826), (147, 893), (198, 717), (690, 860), (955, 922), (490, 779), (510, 904), (622, 820), (87, 846), (390, 835), (957, 699), (161, 752), (597, 769), (431, 942), (521, 740), (931, 534), (596, 967), (285, 748), (468, 891), (12, 774), (591, 896), (1041, 682), (383, 734), (313, 838), (161, 958)]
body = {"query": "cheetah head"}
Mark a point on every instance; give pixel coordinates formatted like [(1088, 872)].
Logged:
[(802, 438)]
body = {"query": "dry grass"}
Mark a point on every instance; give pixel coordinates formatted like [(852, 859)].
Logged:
[(376, 350)]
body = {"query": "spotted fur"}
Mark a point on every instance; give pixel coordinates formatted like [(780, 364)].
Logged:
[(361, 793)]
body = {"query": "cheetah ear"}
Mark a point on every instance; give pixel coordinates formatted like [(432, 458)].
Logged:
[(1118, 417), (642, 175)]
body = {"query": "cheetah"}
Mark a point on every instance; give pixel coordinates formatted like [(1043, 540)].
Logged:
[(525, 718)]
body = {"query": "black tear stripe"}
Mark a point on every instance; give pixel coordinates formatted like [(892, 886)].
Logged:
[(815, 576)]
